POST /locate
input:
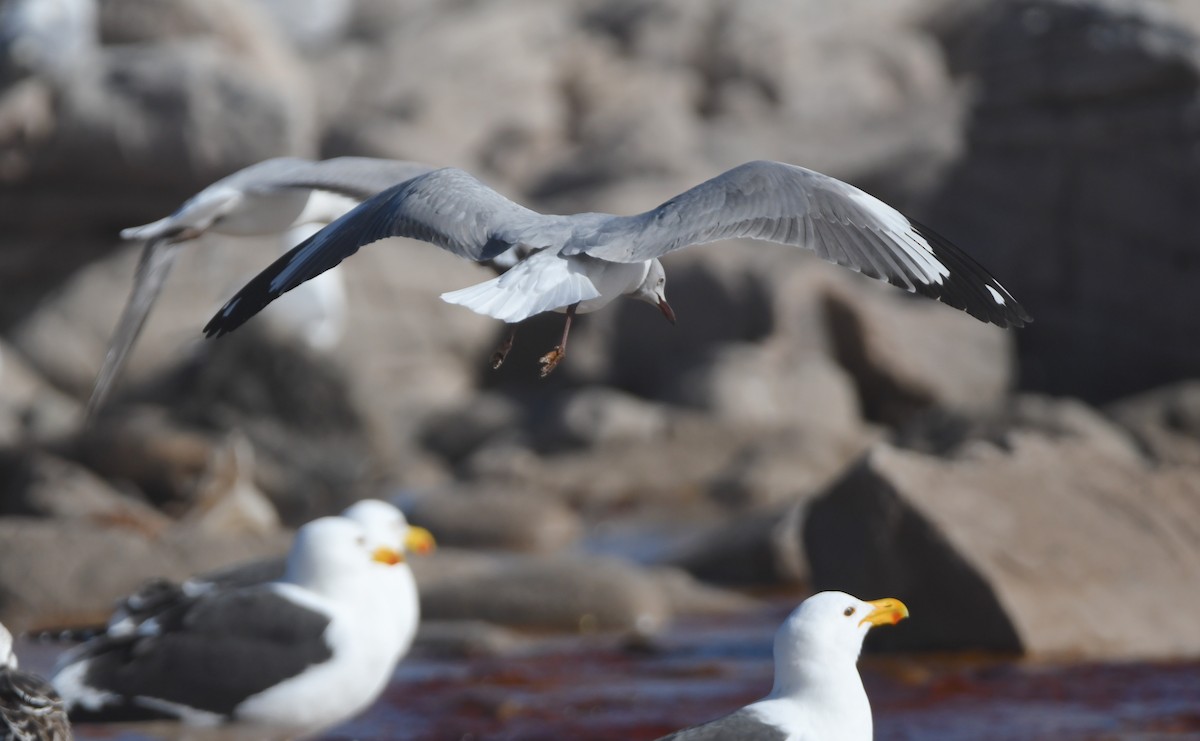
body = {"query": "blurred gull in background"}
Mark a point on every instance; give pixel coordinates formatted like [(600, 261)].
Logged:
[(305, 652), (581, 262), (278, 196)]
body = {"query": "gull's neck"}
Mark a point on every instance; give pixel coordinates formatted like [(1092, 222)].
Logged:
[(819, 687)]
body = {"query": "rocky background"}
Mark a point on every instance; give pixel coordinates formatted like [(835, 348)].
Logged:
[(1034, 491)]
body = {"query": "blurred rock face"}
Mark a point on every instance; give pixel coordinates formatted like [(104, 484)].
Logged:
[(795, 412), (1078, 183)]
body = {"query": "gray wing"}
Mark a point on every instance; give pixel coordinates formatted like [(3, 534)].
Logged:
[(783, 203), (356, 177), (158, 255), (448, 207), (209, 653), (741, 725)]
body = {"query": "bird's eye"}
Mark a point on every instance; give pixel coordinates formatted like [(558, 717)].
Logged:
[(848, 611), (362, 540)]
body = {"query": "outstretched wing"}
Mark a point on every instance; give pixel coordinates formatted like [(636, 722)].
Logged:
[(791, 205), (158, 255), (356, 177), (449, 208)]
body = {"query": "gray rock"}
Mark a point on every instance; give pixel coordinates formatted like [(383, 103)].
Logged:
[(1165, 422), (569, 594), (30, 408), (765, 386), (677, 469), (1071, 147), (945, 433), (596, 416), (756, 549), (38, 484), (164, 461), (464, 639), (910, 355), (131, 121), (456, 432), (495, 517), (44, 582), (691, 597), (1012, 550), (786, 465)]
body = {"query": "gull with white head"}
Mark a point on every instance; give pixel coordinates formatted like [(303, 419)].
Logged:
[(582, 262), (304, 652), (818, 694)]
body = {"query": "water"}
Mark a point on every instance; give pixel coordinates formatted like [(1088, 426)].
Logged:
[(609, 688)]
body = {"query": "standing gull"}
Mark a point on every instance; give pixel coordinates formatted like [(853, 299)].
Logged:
[(818, 694), (270, 197), (30, 709), (580, 263), (385, 526), (303, 653)]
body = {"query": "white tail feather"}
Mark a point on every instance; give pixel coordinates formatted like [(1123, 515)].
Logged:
[(534, 285)]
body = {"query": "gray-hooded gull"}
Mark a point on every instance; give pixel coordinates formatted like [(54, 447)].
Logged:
[(305, 653), (30, 708), (818, 694), (581, 262), (267, 198)]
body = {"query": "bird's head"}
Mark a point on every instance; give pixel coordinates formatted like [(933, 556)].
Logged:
[(834, 624), (388, 532), (653, 290)]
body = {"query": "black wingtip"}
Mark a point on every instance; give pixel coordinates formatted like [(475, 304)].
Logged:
[(969, 286)]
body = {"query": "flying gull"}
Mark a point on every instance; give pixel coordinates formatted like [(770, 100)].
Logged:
[(304, 653), (271, 197), (818, 694), (30, 709), (581, 262)]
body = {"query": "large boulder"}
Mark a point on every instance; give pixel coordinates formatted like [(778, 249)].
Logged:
[(121, 110), (496, 517), (557, 593), (1044, 548), (1165, 421), (909, 355), (1069, 188), (70, 572)]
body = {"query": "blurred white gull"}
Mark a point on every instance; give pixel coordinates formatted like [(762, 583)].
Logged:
[(30, 709), (385, 527), (272, 197), (818, 694), (304, 653), (580, 263)]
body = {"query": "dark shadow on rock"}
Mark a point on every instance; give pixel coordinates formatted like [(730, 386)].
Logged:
[(852, 535)]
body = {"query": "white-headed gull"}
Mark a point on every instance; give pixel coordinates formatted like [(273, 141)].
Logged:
[(818, 694), (305, 652)]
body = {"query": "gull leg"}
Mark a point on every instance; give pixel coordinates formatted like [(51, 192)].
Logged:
[(551, 359), (502, 351)]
